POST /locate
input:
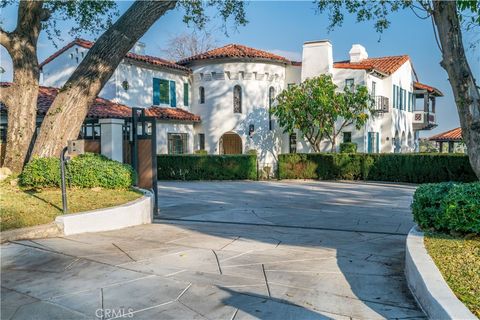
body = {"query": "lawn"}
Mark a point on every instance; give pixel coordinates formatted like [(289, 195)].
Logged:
[(459, 262), (24, 208)]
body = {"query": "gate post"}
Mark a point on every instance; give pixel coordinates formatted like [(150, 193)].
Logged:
[(111, 138)]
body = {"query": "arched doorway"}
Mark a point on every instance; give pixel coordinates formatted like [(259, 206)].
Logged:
[(230, 143)]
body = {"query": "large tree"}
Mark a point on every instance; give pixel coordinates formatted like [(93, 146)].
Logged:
[(21, 44), (449, 18), (68, 111), (320, 111)]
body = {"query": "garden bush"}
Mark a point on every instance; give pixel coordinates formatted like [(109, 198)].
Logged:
[(413, 168), (448, 207), (206, 167), (85, 171), (348, 147)]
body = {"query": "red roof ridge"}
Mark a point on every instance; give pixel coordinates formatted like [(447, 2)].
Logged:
[(386, 64), (453, 134), (131, 55), (234, 50), (104, 108)]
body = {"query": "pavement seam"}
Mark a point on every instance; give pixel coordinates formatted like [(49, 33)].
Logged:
[(183, 292), (266, 281), (218, 262), (124, 252), (280, 226)]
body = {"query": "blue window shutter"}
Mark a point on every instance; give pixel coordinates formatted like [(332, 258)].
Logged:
[(393, 95), (185, 94), (173, 94), (378, 141), (369, 142), (156, 91)]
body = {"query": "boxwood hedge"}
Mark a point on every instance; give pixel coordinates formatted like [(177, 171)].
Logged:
[(414, 168), (448, 207), (85, 171), (207, 167)]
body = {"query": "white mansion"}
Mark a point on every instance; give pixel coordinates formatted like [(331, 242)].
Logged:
[(222, 97)]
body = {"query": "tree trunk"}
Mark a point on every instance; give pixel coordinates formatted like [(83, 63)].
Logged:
[(465, 91), (68, 111), (21, 97)]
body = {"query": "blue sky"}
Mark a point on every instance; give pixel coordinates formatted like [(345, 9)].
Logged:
[(283, 26)]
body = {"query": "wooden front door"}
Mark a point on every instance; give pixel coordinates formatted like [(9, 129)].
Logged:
[(231, 143)]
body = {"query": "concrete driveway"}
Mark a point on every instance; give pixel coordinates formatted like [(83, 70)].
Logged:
[(227, 250)]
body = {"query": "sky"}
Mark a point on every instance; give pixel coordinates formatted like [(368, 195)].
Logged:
[(282, 27)]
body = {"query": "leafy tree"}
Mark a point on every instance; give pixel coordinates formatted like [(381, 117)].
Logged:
[(67, 112), (21, 44), (320, 111), (449, 19)]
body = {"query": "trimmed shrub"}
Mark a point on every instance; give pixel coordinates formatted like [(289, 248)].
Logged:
[(427, 203), (413, 168), (448, 207), (201, 152), (462, 208), (41, 173), (348, 147), (207, 167), (85, 171)]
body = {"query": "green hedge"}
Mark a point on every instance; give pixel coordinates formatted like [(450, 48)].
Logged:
[(85, 171), (414, 168), (207, 167), (448, 207), (348, 147)]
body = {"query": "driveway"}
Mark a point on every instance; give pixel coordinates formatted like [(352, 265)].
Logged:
[(227, 250)]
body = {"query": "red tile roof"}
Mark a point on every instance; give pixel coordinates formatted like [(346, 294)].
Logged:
[(387, 65), (103, 108), (235, 51), (433, 90), (451, 135), (130, 55)]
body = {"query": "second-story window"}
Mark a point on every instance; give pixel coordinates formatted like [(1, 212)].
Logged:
[(349, 84), (237, 99), (374, 88), (201, 93), (161, 91)]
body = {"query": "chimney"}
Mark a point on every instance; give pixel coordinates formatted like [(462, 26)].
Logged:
[(139, 48), (317, 58), (357, 53)]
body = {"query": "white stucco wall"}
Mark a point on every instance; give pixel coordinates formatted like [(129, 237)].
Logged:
[(217, 112), (139, 76), (164, 128), (140, 80)]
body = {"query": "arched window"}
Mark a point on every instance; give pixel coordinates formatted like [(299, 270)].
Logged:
[(237, 99), (201, 93), (271, 100)]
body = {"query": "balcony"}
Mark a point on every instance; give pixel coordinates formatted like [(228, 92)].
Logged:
[(380, 105), (423, 120)]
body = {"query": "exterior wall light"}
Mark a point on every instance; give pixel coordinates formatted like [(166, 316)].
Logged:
[(251, 130)]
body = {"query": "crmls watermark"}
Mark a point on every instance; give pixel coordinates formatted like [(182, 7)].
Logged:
[(114, 313)]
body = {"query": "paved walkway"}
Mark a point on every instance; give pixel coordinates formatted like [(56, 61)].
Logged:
[(301, 250)]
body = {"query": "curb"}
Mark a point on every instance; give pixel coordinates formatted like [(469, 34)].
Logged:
[(136, 212), (427, 284), (35, 232), (133, 213)]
